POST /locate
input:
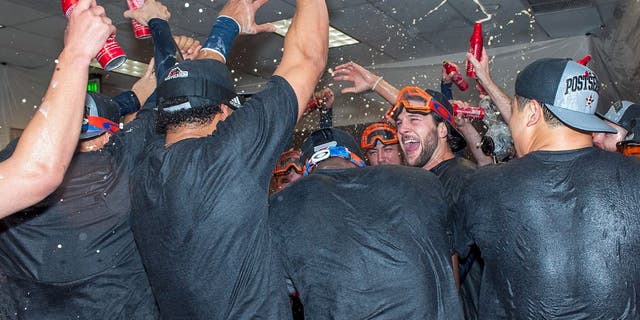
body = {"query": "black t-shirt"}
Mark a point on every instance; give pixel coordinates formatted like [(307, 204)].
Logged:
[(200, 214), (367, 242), (454, 175), (559, 233), (73, 255)]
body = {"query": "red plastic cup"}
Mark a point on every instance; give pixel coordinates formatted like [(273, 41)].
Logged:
[(468, 112), (456, 77), (139, 31), (111, 56)]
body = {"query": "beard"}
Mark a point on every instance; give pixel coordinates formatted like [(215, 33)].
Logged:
[(429, 145)]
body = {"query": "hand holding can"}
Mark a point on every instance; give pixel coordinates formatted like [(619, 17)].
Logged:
[(111, 54), (140, 31)]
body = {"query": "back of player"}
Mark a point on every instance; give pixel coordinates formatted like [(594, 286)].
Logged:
[(559, 234), (367, 242)]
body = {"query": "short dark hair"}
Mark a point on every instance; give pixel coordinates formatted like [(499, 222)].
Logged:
[(549, 117), (456, 142), (198, 115)]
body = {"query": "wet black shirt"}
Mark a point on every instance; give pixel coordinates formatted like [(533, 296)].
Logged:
[(73, 256), (367, 242), (454, 175), (559, 233), (200, 214)]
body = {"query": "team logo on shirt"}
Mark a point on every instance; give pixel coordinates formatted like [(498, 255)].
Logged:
[(176, 73)]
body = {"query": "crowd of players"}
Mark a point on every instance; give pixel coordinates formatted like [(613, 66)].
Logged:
[(194, 210)]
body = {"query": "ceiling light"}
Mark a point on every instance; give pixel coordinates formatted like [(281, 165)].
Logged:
[(1, 26), (337, 38), (130, 67)]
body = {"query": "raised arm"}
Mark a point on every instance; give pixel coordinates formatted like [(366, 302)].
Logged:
[(47, 145), (364, 80), (501, 99), (305, 49)]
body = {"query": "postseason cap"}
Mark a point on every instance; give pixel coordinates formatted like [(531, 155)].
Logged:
[(196, 83), (625, 114), (568, 89), (102, 114)]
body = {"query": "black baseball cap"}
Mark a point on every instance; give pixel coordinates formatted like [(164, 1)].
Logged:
[(625, 114), (197, 83), (568, 89), (328, 137), (102, 114)]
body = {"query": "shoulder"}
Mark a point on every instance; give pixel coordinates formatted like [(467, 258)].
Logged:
[(277, 88)]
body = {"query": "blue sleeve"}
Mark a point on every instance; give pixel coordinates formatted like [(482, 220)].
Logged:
[(128, 102), (164, 48), (326, 118), (445, 89)]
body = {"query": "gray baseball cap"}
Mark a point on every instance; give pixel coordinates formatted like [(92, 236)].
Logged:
[(568, 89), (625, 114)]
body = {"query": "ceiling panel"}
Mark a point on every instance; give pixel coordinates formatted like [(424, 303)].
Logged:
[(22, 58), (13, 14), (570, 22), (413, 15), (52, 26)]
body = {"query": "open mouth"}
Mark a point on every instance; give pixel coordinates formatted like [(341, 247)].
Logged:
[(410, 145)]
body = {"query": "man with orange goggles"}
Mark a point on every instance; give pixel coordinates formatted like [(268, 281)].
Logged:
[(380, 143), (288, 169)]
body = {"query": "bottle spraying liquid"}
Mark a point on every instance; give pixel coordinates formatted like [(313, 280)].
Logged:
[(475, 48), (456, 77), (468, 112)]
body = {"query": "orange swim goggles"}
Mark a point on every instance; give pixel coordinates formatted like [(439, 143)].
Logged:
[(379, 131), (289, 160), (416, 100)]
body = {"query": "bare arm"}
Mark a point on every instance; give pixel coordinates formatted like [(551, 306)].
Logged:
[(474, 140), (47, 145), (501, 99), (305, 49), (364, 80)]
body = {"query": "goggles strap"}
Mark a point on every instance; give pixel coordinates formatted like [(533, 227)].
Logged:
[(334, 151)]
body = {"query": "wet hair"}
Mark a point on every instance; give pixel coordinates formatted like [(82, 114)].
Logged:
[(549, 117), (456, 142), (197, 115)]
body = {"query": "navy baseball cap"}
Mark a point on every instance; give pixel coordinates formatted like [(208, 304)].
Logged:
[(625, 114), (568, 89), (329, 137), (197, 83), (102, 114)]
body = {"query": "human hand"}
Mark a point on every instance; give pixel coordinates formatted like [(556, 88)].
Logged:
[(189, 47), (446, 77), (361, 78), (143, 88), (244, 12), (463, 124), (87, 30), (324, 98), (481, 67), (151, 9)]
